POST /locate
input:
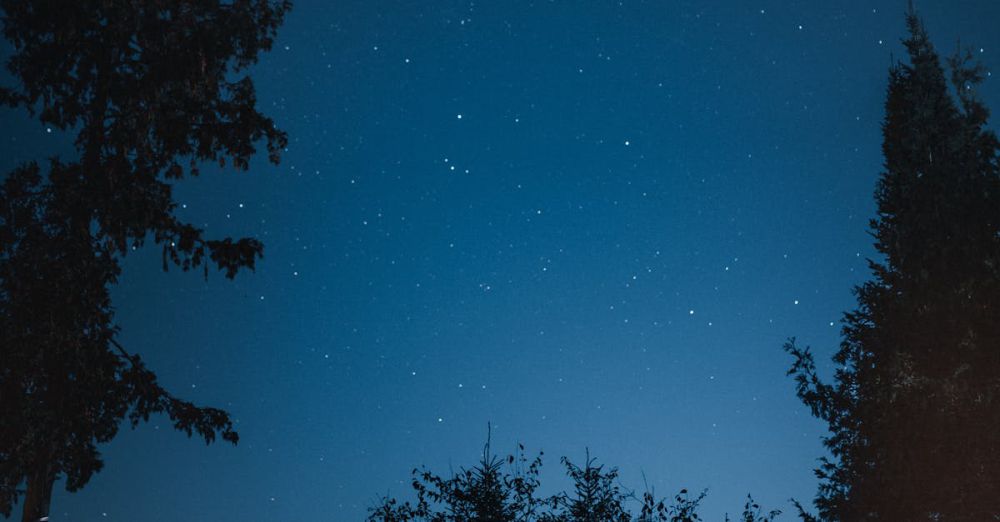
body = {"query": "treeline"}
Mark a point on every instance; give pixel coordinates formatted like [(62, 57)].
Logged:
[(506, 490)]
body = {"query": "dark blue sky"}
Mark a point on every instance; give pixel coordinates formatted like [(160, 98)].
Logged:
[(592, 224)]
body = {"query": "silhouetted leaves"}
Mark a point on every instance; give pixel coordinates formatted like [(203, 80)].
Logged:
[(752, 512), (506, 490), (151, 89)]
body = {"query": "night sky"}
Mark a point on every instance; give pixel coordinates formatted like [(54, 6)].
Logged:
[(591, 224)]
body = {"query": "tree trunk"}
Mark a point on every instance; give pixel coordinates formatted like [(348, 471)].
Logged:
[(39, 494)]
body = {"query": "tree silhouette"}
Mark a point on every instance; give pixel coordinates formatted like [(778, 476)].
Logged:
[(596, 495), (914, 407), (486, 492), (150, 89), (505, 490), (752, 513)]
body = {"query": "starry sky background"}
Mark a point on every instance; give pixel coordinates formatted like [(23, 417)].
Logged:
[(591, 224)]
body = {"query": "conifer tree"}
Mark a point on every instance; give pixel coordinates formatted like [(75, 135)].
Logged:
[(914, 406), (596, 496), (150, 90)]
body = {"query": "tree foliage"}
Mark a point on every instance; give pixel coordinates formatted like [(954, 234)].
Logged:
[(506, 490), (914, 405), (150, 89)]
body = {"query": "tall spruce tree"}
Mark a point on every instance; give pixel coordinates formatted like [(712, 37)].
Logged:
[(150, 88), (914, 406)]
